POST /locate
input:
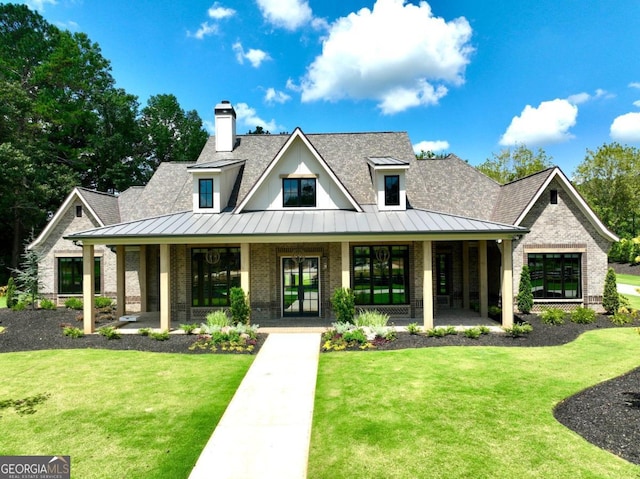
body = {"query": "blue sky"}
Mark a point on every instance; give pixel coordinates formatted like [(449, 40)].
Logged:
[(463, 76)]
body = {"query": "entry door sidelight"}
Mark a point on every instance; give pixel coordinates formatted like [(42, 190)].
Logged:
[(300, 287)]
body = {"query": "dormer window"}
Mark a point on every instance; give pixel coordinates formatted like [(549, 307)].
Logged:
[(205, 191), (299, 192), (392, 190), (388, 176)]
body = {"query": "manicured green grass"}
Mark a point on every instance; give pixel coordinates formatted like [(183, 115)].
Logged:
[(3, 302), (475, 412), (634, 301), (628, 279), (117, 413)]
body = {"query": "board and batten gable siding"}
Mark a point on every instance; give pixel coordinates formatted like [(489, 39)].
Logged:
[(298, 160), (563, 228)]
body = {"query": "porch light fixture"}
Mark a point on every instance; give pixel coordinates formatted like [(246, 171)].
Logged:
[(212, 256)]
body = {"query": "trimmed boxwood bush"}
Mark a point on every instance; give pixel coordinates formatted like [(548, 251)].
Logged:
[(582, 315)]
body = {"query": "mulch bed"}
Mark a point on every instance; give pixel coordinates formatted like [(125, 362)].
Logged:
[(607, 415)]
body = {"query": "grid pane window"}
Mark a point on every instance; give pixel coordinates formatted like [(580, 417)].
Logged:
[(214, 271), (380, 274), (70, 275), (555, 275), (299, 192), (205, 188)]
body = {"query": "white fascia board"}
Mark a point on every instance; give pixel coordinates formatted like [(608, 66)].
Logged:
[(578, 200), (297, 133), (60, 212)]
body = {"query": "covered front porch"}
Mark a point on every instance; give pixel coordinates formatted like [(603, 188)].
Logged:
[(430, 305)]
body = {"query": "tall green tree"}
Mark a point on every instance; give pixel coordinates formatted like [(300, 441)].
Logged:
[(169, 133), (609, 179), (510, 165)]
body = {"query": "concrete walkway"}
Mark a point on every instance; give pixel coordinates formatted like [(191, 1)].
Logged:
[(266, 429), (628, 289)]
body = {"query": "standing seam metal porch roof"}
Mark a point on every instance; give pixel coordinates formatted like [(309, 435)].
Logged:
[(300, 222)]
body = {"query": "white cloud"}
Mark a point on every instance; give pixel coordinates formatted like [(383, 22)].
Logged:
[(548, 123), (397, 54), (210, 126), (217, 12), (39, 4), (436, 145), (275, 96), (626, 128), (205, 29), (578, 98), (70, 25), (287, 14), (634, 84), (255, 57), (636, 103), (248, 116)]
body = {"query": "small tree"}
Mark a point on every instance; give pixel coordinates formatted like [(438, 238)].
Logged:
[(610, 296), (11, 293), (525, 295), (344, 305), (27, 278), (239, 306)]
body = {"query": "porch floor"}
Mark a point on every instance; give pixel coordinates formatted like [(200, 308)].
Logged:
[(449, 317)]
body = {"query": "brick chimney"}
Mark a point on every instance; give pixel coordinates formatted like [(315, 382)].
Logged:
[(225, 126)]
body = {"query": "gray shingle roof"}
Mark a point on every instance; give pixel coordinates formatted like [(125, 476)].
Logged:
[(104, 205), (451, 185), (292, 223), (515, 196)]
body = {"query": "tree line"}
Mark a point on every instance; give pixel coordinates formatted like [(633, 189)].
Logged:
[(64, 123), (608, 179)]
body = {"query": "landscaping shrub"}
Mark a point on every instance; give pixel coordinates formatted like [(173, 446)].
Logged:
[(371, 318), (552, 316), (583, 315), (47, 304), (144, 331), (525, 295), (19, 306), (413, 328), (621, 319), (189, 328), (484, 329), (355, 335), (216, 320), (495, 311), (159, 335), (518, 329), (472, 333), (11, 293), (239, 306), (610, 296), (73, 303), (102, 302), (109, 332), (343, 302), (240, 338), (72, 332), (441, 332)]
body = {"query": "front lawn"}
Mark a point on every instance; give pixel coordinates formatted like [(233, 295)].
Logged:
[(628, 279), (116, 413), (481, 412), (3, 301)]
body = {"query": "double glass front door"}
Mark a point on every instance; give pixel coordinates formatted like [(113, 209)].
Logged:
[(300, 287)]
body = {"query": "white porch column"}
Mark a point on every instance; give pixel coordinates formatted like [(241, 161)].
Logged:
[(483, 279), (346, 276), (121, 288), (245, 266), (142, 278), (165, 287), (466, 303), (507, 284), (88, 281), (427, 284)]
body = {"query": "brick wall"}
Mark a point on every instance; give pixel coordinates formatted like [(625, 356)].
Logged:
[(564, 228)]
